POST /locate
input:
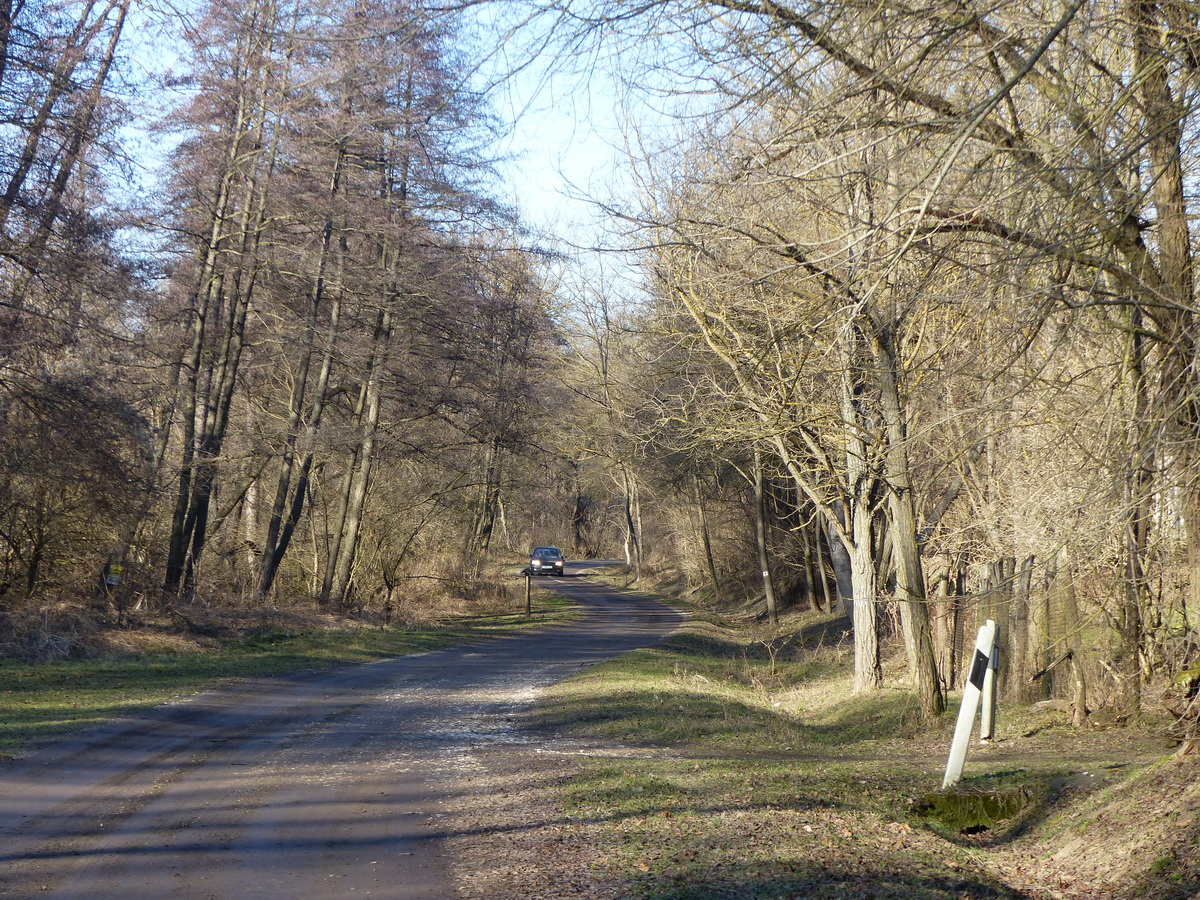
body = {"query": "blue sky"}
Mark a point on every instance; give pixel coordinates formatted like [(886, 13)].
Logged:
[(565, 138)]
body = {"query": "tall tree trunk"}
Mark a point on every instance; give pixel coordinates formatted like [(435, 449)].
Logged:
[(633, 518), (365, 456), (839, 590), (868, 671), (706, 540), (1138, 504), (1019, 633), (222, 378), (480, 536), (860, 480), (1041, 647), (1171, 295), (207, 390), (906, 547), (943, 609), (304, 419), (760, 533), (1064, 611), (297, 466), (812, 567)]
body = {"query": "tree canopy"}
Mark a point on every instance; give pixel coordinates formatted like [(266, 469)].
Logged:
[(912, 336)]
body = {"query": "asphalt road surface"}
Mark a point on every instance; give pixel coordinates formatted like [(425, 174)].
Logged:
[(316, 786)]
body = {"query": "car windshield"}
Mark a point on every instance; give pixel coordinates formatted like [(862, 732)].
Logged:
[(547, 552)]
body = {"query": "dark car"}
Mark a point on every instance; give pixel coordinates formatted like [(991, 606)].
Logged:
[(546, 561)]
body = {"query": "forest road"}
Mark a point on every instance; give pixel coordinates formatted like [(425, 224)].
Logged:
[(316, 786)]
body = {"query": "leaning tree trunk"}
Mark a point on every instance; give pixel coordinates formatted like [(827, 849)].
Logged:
[(304, 419), (297, 467), (906, 548), (206, 392), (68, 157), (632, 520), (38, 125), (355, 501)]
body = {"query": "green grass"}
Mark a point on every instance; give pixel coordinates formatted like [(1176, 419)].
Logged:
[(730, 692), (38, 701), (750, 770)]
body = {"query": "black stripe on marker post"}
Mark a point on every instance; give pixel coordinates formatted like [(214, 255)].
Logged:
[(978, 668)]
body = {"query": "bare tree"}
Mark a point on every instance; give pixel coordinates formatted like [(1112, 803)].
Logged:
[(1031, 161)]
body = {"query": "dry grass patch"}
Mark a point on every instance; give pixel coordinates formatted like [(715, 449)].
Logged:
[(751, 771)]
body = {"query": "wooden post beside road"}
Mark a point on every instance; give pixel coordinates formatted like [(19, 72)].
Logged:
[(528, 595)]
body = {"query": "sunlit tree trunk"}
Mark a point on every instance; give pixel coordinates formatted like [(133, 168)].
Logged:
[(760, 534), (1138, 513), (223, 286), (304, 424), (710, 563), (631, 508), (1167, 111), (344, 548), (868, 671), (910, 578)]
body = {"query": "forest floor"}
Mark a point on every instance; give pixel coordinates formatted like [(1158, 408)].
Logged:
[(712, 767), (1102, 835)]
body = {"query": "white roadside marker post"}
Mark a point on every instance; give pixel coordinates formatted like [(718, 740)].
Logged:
[(985, 649), (987, 712)]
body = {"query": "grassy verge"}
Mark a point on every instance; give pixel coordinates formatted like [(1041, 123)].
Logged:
[(741, 770), (38, 701)]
